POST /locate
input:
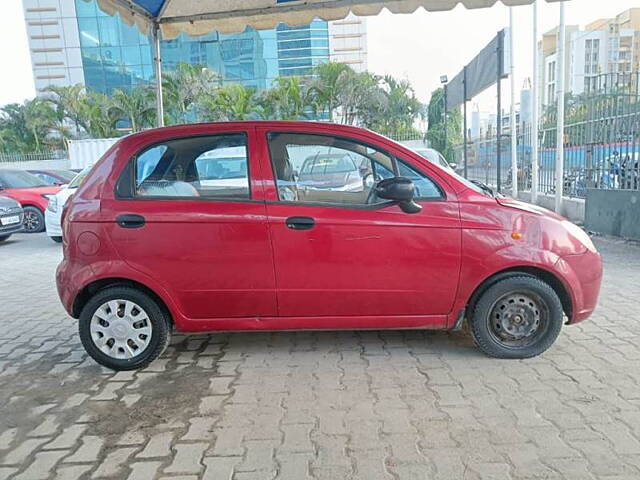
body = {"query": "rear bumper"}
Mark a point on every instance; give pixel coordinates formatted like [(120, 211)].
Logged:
[(584, 273)]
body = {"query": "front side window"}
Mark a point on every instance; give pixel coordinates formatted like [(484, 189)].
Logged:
[(311, 168), (209, 167)]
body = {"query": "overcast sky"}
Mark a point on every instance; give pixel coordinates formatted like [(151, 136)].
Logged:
[(420, 46)]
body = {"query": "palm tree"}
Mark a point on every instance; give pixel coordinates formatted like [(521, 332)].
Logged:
[(99, 118), (289, 99), (184, 89), (232, 102), (30, 126), (330, 79), (138, 107), (69, 102)]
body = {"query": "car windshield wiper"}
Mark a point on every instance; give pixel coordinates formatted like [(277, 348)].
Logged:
[(484, 187)]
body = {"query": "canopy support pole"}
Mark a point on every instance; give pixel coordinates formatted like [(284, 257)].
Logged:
[(499, 52), (464, 113), (534, 109), (560, 116), (446, 123), (512, 124), (157, 61)]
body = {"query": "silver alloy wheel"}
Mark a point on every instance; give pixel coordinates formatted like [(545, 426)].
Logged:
[(31, 221), (120, 329)]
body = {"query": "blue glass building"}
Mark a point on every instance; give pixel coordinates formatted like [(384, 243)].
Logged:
[(116, 55)]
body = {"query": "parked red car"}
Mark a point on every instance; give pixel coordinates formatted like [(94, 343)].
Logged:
[(170, 230), (32, 194)]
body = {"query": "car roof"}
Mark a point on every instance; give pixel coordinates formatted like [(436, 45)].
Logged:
[(197, 128)]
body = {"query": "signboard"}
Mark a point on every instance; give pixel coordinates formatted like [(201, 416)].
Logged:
[(481, 72)]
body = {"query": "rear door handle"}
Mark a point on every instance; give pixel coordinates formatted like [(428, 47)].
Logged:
[(130, 221), (300, 223)]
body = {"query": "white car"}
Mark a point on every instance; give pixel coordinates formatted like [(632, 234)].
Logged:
[(435, 156), (53, 213)]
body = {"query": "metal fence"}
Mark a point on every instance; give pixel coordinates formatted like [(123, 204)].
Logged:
[(40, 160), (33, 157), (601, 143)]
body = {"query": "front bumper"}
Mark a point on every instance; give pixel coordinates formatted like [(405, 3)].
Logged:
[(584, 273), (14, 227), (52, 222)]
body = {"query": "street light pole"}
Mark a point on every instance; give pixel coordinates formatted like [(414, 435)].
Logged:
[(444, 80), (560, 117), (512, 124), (534, 111)]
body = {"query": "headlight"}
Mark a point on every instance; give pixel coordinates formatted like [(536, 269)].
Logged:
[(53, 204), (582, 236)]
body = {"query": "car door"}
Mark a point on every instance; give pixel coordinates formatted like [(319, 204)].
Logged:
[(338, 251), (188, 214)]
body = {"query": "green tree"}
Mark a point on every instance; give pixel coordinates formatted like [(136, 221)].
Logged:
[(185, 88), (30, 127), (330, 80), (138, 107), (99, 118), (289, 98), (399, 109), (70, 104), (229, 103), (436, 133)]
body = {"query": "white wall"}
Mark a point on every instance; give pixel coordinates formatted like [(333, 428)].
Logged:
[(348, 42), (54, 42), (83, 153)]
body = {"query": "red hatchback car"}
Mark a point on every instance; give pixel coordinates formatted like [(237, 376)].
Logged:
[(32, 194), (209, 227)]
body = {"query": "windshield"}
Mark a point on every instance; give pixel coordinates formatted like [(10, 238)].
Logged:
[(68, 175), (77, 180), (19, 179)]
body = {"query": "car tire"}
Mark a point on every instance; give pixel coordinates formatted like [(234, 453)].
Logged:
[(56, 239), (98, 321), (33, 220), (4, 237), (518, 317)]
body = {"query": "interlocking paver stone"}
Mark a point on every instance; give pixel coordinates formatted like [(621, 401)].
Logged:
[(317, 405)]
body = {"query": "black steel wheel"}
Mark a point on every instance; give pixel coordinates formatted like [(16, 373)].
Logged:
[(518, 317), (33, 220)]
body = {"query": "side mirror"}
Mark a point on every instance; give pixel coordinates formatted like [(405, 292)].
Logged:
[(398, 189), (453, 165)]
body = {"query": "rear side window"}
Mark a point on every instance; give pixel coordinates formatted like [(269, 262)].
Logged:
[(208, 167)]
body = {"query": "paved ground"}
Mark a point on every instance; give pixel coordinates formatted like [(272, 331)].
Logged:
[(374, 405)]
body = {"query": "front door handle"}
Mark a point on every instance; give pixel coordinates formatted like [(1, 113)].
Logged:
[(130, 221), (300, 223)]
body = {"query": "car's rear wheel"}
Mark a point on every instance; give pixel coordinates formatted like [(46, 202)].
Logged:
[(518, 317), (123, 328), (33, 220), (56, 239)]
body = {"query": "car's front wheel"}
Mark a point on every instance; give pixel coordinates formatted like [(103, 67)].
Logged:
[(33, 220), (123, 328), (518, 317), (56, 239)]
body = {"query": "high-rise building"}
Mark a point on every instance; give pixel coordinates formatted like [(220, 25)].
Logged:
[(73, 41), (605, 46)]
